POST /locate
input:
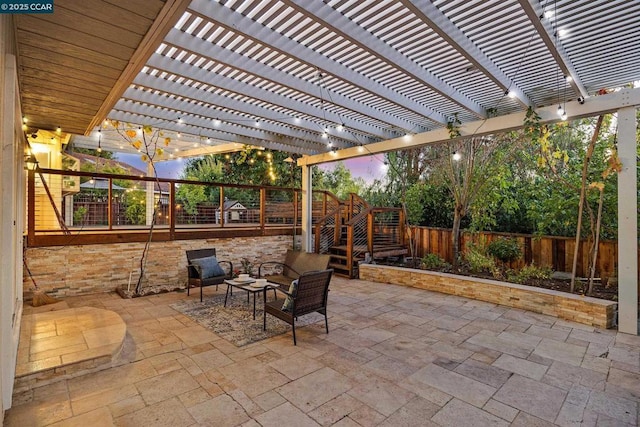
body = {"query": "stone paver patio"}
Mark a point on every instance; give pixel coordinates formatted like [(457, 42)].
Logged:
[(394, 356)]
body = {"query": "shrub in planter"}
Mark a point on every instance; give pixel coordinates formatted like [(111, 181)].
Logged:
[(527, 272), (505, 250), (478, 260), (434, 262)]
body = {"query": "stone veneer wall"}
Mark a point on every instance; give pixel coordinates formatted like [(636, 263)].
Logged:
[(586, 310), (90, 269)]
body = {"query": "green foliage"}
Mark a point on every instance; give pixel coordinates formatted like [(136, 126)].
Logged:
[(79, 214), (247, 265), (135, 214), (505, 249), (434, 262), (339, 181), (478, 260), (528, 272)]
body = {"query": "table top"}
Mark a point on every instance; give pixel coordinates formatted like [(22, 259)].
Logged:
[(246, 285)]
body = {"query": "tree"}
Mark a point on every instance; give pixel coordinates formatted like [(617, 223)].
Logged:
[(150, 143), (339, 181), (476, 165)]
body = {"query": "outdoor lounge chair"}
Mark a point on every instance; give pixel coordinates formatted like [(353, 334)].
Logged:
[(310, 295), (195, 271), (295, 264)]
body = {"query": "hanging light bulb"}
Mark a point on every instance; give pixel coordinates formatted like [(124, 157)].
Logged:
[(217, 122), (99, 141), (560, 110), (456, 156), (340, 127), (568, 79), (563, 116), (58, 129), (361, 148)]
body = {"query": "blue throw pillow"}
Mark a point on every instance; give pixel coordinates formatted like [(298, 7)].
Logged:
[(209, 267), (288, 303)]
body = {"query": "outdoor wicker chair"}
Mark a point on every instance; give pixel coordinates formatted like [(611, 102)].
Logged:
[(310, 295), (195, 273)]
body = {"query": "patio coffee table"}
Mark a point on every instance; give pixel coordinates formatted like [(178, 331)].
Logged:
[(246, 286)]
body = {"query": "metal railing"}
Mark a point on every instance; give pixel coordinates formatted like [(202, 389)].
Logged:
[(99, 207)]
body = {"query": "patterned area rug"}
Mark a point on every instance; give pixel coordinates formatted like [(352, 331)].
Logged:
[(235, 321)]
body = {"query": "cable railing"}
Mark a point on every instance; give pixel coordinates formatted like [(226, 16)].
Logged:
[(100, 207)]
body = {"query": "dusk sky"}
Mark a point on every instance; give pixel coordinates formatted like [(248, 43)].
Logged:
[(368, 167)]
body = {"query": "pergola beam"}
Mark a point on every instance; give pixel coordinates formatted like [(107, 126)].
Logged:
[(244, 108), (234, 60), (240, 24), (346, 28), (140, 118), (443, 26), (536, 16), (575, 110), (193, 109)]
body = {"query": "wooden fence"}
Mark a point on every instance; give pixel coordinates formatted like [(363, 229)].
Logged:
[(550, 251)]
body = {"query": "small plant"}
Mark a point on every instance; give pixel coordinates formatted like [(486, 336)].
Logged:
[(505, 250), (79, 214), (478, 260), (527, 272), (247, 265), (434, 262)]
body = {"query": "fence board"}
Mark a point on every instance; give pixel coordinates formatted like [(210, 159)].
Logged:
[(545, 251)]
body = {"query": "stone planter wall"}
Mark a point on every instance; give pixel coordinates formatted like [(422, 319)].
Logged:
[(586, 310), (90, 269)]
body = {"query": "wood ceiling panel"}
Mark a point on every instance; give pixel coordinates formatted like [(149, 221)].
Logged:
[(86, 26), (80, 104), (147, 8), (109, 13), (52, 87), (43, 78), (68, 72), (64, 62), (68, 34), (29, 39)]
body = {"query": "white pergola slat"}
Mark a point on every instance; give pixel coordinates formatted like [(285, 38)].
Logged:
[(387, 68), (249, 28), (257, 68)]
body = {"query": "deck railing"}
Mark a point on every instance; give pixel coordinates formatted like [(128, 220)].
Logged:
[(108, 208)]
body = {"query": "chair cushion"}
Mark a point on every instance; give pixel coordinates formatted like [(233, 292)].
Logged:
[(288, 303), (209, 267)]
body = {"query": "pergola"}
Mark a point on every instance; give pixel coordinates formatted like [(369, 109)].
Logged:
[(335, 79)]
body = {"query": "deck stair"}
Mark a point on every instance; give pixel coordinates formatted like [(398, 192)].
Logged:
[(355, 231)]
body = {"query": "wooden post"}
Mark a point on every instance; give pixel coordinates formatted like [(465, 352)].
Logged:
[(370, 233), (349, 260), (263, 208), (221, 207), (31, 207), (110, 204), (172, 210)]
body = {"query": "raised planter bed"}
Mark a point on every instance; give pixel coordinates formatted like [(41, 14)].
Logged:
[(581, 309)]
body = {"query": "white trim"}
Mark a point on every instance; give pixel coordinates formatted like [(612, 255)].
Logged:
[(627, 223), (591, 107)]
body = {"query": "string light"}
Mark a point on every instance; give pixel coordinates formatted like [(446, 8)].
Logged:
[(58, 129), (24, 119), (217, 122), (361, 148), (340, 127), (456, 156)]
